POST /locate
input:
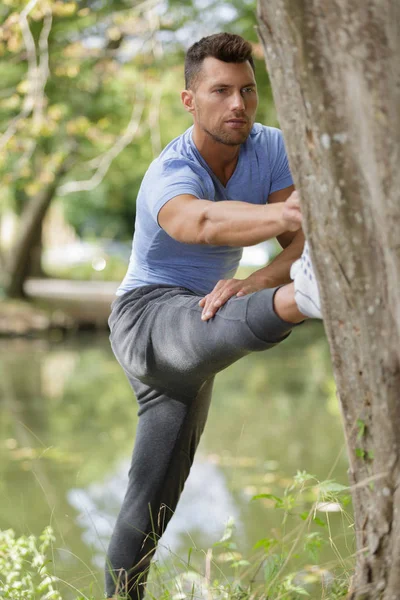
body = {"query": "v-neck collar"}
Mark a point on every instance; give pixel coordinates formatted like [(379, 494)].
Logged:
[(206, 165)]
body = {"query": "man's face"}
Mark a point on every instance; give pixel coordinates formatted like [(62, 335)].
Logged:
[(224, 100)]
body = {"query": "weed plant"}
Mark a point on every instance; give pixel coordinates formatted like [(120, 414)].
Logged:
[(283, 566)]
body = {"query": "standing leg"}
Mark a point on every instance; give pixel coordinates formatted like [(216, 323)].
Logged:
[(167, 436)]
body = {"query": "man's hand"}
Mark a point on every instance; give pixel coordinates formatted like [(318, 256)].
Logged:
[(261, 279), (291, 212), (226, 288)]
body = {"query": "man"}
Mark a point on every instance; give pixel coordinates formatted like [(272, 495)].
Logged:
[(180, 316)]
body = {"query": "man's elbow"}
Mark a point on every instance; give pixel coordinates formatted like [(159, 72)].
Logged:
[(206, 229), (189, 230), (287, 238)]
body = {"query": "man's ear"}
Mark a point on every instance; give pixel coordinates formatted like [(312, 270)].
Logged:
[(187, 98)]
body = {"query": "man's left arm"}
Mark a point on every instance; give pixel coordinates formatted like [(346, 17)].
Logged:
[(275, 273)]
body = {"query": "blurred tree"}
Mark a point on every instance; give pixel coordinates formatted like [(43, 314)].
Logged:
[(89, 99), (60, 91)]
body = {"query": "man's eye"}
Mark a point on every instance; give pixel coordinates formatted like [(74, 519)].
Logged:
[(220, 90), (248, 89)]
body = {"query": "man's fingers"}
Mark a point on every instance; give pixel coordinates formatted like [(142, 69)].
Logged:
[(294, 200), (221, 293), (224, 296), (293, 218), (208, 311), (215, 300), (207, 305), (243, 292)]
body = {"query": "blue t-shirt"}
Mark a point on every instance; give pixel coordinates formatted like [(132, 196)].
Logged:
[(156, 257)]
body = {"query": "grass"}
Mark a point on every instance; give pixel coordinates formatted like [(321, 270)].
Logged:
[(283, 566)]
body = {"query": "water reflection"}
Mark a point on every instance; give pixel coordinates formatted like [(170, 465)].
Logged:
[(68, 421), (202, 510)]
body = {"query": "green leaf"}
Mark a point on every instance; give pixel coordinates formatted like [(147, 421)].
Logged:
[(229, 528), (345, 499), (313, 542), (361, 428), (271, 567), (302, 477), (319, 522), (360, 452), (278, 501), (266, 543), (240, 563), (301, 591), (329, 488)]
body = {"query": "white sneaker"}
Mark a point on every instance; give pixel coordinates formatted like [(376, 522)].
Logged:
[(306, 291)]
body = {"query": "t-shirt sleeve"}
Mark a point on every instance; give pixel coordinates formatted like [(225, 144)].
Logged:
[(279, 165), (169, 179)]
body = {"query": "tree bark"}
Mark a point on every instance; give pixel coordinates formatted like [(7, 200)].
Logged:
[(35, 255), (21, 258), (335, 73)]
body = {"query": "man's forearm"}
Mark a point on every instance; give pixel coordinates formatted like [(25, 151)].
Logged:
[(228, 222), (278, 271), (234, 223)]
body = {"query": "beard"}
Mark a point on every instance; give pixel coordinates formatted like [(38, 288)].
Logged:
[(222, 136), (229, 138)]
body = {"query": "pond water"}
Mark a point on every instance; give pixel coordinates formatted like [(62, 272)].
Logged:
[(68, 420)]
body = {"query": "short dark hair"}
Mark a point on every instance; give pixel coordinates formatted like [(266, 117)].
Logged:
[(227, 47)]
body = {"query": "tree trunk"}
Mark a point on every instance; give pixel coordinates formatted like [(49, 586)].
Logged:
[(35, 255), (335, 72), (21, 256)]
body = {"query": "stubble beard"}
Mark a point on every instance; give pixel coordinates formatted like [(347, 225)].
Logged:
[(224, 137), (233, 138)]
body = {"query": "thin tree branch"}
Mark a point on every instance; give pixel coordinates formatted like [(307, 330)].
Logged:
[(32, 76), (111, 154), (154, 112), (43, 72), (44, 69)]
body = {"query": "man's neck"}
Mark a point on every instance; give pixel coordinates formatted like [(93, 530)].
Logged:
[(221, 158)]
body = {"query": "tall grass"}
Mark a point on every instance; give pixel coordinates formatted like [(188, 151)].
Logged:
[(283, 566)]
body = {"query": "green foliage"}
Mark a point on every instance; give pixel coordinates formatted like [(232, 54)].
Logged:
[(364, 454), (329, 488), (361, 428), (25, 567), (89, 94), (313, 542), (282, 574), (25, 575), (360, 453)]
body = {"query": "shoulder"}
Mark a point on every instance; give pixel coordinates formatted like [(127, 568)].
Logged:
[(267, 143), (265, 134), (180, 148), (178, 157)]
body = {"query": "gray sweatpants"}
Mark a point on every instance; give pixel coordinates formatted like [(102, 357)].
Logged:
[(170, 357)]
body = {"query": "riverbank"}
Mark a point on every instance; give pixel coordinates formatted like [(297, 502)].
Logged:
[(25, 318), (57, 304)]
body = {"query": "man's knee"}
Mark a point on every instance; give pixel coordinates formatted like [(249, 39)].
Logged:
[(263, 321)]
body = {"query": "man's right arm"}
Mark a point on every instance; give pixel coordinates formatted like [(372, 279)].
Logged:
[(228, 222)]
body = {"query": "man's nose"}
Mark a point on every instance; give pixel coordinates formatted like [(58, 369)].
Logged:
[(237, 101)]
